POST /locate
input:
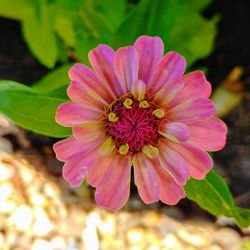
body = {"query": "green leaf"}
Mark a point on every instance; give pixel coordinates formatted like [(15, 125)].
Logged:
[(54, 79), (147, 18), (198, 5), (213, 195), (179, 24), (112, 11), (64, 27), (38, 32), (15, 9), (192, 35), (31, 109), (91, 29)]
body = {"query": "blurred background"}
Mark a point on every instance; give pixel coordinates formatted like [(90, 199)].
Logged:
[(40, 40)]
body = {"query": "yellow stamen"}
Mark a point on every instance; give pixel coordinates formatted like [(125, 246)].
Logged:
[(127, 103), (150, 151), (113, 117), (159, 113), (144, 104), (123, 149), (107, 147)]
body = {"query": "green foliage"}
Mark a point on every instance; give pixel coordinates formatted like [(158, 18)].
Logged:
[(213, 195), (153, 18), (15, 9), (83, 24), (54, 79), (31, 109), (38, 33), (178, 23)]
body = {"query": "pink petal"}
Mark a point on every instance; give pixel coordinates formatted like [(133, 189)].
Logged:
[(88, 133), (195, 86), (74, 173), (174, 164), (79, 95), (198, 161), (69, 147), (114, 194), (168, 92), (101, 172), (170, 191), (145, 179), (139, 90), (175, 130), (192, 111), (126, 67), (209, 134), (102, 60), (76, 168), (150, 51), (86, 76), (70, 114), (171, 68)]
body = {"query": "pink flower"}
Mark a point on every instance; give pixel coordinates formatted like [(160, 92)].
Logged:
[(135, 108)]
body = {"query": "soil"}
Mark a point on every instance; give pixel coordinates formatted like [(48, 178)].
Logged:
[(231, 49)]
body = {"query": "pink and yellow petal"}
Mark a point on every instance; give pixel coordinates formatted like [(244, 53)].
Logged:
[(89, 133), (195, 86), (87, 77), (209, 134), (73, 172), (191, 111), (146, 179), (76, 168), (115, 193), (175, 131), (102, 60), (170, 69), (199, 162), (168, 92), (67, 148), (173, 164), (150, 51), (170, 191), (99, 174), (70, 114), (126, 67), (80, 95)]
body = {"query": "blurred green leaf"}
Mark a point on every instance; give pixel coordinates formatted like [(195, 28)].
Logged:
[(31, 109), (39, 35), (198, 5), (192, 35), (54, 79), (153, 18), (15, 9), (112, 11), (179, 24), (213, 195), (64, 27), (91, 29)]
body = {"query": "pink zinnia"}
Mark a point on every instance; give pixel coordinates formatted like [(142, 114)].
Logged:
[(137, 109)]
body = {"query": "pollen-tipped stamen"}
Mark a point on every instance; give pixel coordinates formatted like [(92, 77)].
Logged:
[(159, 113), (128, 103), (144, 104), (112, 117), (123, 149)]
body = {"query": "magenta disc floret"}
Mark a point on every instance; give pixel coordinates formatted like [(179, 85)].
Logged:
[(136, 125)]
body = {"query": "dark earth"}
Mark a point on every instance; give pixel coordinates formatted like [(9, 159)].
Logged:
[(232, 48)]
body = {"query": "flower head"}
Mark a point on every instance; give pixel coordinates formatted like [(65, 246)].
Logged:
[(136, 108)]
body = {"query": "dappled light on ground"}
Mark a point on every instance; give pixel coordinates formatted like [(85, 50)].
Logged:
[(40, 212)]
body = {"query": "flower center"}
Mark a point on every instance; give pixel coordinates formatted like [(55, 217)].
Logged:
[(133, 124)]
